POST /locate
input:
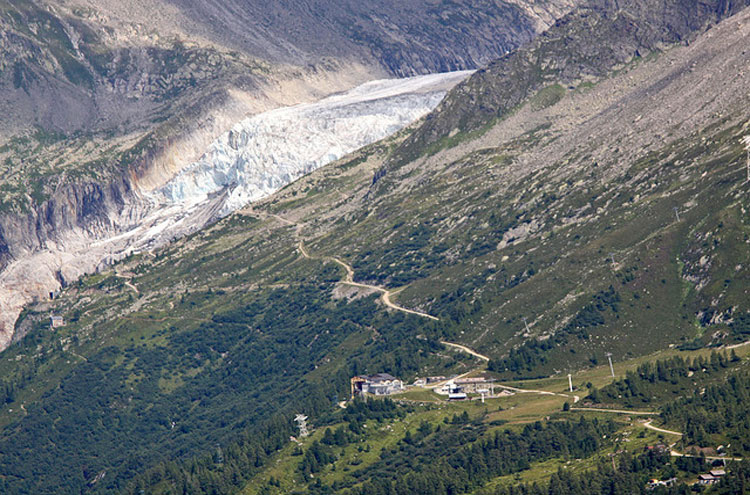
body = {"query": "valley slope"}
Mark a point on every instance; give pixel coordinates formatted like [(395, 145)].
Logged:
[(598, 213), (105, 101)]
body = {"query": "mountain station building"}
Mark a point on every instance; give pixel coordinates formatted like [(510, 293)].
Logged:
[(377, 384)]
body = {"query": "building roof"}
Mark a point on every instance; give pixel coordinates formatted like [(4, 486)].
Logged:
[(471, 380), (706, 477), (717, 472), (380, 377)]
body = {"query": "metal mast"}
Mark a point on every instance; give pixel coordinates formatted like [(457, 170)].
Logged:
[(301, 421), (611, 367)]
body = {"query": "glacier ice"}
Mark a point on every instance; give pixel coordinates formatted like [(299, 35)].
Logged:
[(263, 153)]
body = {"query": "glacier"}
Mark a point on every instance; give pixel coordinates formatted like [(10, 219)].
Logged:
[(264, 153)]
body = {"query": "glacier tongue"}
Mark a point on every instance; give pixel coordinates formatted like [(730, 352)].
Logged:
[(263, 153)]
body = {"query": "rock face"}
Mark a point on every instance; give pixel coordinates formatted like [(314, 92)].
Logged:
[(93, 65), (583, 45), (407, 38), (84, 227)]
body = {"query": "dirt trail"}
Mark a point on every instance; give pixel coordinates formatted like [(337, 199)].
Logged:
[(735, 346), (386, 298), (648, 425), (466, 349), (616, 411), (674, 453), (443, 382), (77, 355), (128, 284), (349, 280), (540, 392)]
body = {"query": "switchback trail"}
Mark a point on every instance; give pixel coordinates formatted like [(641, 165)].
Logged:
[(128, 283), (386, 298), (349, 280)]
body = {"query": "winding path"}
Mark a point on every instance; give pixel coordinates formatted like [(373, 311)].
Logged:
[(648, 425), (386, 298), (674, 453), (349, 280), (128, 283), (466, 350)]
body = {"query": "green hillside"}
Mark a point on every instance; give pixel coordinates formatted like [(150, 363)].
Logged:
[(601, 216), (418, 442)]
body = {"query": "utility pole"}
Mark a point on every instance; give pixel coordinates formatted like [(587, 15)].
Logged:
[(677, 213), (612, 257), (570, 382), (526, 325), (301, 421), (611, 367), (746, 140)]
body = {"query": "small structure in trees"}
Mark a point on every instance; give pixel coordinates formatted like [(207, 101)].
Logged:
[(301, 421)]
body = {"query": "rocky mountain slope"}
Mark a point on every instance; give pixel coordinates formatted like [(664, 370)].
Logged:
[(602, 216), (579, 48), (104, 102), (99, 65)]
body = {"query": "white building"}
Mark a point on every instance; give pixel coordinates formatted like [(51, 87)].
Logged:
[(377, 384)]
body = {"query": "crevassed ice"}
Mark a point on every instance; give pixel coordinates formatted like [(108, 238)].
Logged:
[(263, 153)]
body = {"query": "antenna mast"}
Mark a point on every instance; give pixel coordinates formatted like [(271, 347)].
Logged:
[(611, 367)]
